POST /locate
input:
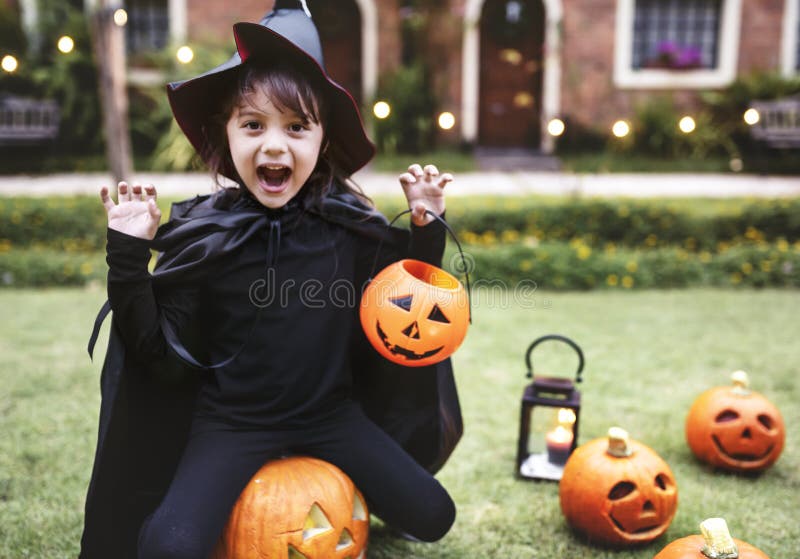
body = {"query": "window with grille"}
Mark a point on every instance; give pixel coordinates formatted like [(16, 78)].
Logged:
[(148, 25), (676, 34)]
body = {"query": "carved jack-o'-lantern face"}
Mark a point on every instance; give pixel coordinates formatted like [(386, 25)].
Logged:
[(415, 314), (297, 508), (618, 492), (735, 428)]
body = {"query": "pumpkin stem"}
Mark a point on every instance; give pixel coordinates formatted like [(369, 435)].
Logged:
[(741, 383), (719, 543), (618, 442)]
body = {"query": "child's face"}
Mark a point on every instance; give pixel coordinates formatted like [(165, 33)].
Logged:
[(273, 149)]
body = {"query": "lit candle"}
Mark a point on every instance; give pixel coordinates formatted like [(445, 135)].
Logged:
[(559, 443), (559, 440)]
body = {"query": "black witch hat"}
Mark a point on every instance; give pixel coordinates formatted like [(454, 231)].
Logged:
[(286, 33)]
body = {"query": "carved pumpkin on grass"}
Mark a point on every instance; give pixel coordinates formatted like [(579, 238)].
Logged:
[(297, 508), (617, 491), (715, 543), (414, 313), (735, 428)]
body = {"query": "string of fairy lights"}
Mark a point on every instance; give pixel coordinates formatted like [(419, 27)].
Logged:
[(66, 45), (382, 109)]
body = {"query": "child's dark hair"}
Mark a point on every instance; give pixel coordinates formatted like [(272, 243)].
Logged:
[(290, 88)]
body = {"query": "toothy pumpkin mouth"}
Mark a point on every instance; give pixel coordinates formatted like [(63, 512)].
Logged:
[(741, 457), (401, 351)]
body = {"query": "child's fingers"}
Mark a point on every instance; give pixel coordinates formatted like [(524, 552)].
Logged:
[(407, 179), (430, 172), (124, 192), (150, 192), (108, 203), (415, 170), (136, 190), (445, 179), (152, 207)]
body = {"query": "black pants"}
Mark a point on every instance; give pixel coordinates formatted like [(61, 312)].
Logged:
[(219, 461)]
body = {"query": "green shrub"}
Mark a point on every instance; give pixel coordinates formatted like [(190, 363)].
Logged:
[(44, 268)]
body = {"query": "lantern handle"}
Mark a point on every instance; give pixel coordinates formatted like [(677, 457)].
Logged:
[(558, 337), (452, 234)]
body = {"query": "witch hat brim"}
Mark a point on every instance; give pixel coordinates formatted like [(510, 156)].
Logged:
[(285, 34)]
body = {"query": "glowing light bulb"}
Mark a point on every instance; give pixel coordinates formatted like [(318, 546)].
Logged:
[(381, 109), (120, 17), (65, 44), (9, 63), (556, 127), (751, 116), (621, 129), (185, 54), (446, 120), (687, 125)]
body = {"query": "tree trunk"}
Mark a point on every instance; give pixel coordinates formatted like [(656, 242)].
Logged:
[(109, 47)]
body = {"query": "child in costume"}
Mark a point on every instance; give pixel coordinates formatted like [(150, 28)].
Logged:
[(244, 344)]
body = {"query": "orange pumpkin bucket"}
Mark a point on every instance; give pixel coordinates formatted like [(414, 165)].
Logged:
[(414, 313)]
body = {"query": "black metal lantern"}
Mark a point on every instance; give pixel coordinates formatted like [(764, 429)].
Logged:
[(548, 425)]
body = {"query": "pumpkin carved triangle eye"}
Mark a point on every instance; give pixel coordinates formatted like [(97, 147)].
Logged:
[(294, 554), (437, 315), (346, 540), (316, 523), (403, 302), (359, 509)]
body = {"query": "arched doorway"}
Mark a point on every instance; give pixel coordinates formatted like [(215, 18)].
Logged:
[(339, 25), (512, 36)]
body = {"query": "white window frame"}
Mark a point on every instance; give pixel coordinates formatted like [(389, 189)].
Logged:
[(791, 22), (625, 76)]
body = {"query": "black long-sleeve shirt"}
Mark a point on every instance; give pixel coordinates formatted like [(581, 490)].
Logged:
[(289, 293)]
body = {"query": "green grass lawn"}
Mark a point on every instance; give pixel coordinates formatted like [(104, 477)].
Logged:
[(648, 355)]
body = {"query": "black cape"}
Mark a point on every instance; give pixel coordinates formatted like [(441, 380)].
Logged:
[(145, 414)]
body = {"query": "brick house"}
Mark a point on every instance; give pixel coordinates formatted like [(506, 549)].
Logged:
[(504, 68)]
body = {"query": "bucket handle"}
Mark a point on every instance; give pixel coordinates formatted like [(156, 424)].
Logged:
[(452, 234)]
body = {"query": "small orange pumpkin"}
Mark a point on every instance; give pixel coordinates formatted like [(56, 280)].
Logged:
[(297, 507), (715, 543), (414, 313), (735, 428), (617, 491)]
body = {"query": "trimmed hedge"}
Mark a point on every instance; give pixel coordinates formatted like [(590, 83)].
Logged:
[(576, 265), (555, 243)]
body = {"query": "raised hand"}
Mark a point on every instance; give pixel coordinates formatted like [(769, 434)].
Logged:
[(424, 190), (136, 214)]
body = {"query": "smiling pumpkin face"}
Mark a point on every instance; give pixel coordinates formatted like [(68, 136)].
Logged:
[(619, 499), (415, 314), (735, 428)]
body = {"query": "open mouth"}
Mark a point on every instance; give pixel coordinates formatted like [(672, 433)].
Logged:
[(407, 353), (742, 457), (273, 177)]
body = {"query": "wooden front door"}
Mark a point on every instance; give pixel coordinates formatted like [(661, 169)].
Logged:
[(511, 41), (339, 25)]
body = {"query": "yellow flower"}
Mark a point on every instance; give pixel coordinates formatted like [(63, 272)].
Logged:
[(612, 279), (651, 240), (5, 245), (86, 268), (690, 243), (705, 257), (766, 266), (753, 234), (782, 244), (509, 236), (627, 282), (736, 278), (488, 238), (747, 268), (584, 252), (610, 248), (525, 265), (631, 266), (623, 211)]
